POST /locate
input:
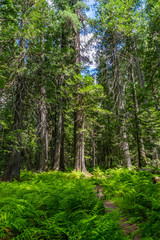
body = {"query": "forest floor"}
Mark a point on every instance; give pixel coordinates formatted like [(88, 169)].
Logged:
[(119, 205), (129, 229)]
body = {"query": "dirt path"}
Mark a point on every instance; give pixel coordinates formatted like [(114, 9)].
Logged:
[(130, 230)]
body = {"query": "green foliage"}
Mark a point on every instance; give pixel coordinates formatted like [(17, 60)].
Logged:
[(69, 20), (54, 205), (80, 5), (84, 86), (137, 196)]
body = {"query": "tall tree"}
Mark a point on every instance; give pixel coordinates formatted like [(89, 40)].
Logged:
[(13, 167), (79, 161)]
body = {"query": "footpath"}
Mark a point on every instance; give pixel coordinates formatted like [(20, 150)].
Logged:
[(129, 229)]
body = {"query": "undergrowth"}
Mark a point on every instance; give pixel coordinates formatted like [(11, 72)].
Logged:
[(54, 205), (136, 195), (59, 205)]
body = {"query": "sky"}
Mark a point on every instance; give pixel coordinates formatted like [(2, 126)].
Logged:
[(89, 51), (91, 3), (91, 12)]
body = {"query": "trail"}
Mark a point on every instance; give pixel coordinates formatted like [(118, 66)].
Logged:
[(130, 230)]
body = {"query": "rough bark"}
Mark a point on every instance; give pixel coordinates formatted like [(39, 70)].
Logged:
[(126, 145), (43, 132), (58, 162), (141, 82), (123, 130), (42, 128), (156, 156), (54, 133), (62, 159), (13, 167), (94, 149), (57, 154), (140, 144), (79, 161), (82, 145)]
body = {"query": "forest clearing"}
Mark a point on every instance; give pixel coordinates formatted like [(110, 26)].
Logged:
[(80, 119)]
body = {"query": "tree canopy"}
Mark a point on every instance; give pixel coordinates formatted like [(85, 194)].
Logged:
[(54, 116)]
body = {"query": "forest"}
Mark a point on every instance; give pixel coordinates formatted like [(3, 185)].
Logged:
[(80, 119)]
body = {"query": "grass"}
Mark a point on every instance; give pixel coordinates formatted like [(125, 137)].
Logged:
[(55, 205)]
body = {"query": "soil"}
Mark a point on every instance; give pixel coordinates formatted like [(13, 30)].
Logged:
[(129, 229)]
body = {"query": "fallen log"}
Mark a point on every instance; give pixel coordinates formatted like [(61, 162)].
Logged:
[(146, 170)]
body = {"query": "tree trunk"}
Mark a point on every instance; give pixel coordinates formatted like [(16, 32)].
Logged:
[(126, 145), (43, 133), (54, 133), (141, 82), (13, 167), (62, 160), (79, 161), (82, 145), (57, 155), (140, 144), (123, 130), (58, 162), (94, 150), (110, 160)]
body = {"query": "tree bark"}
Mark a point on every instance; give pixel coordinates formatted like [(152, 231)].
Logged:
[(62, 159), (82, 144), (79, 161), (43, 132), (94, 149), (58, 162), (140, 144), (57, 155), (126, 145), (13, 168), (141, 82), (123, 129)]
